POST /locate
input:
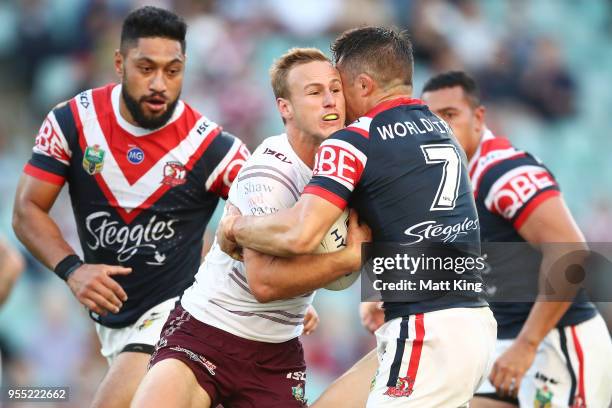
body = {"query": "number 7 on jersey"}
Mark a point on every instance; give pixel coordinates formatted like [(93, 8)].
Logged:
[(451, 174)]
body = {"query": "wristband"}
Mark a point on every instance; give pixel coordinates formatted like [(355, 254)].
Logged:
[(67, 265)]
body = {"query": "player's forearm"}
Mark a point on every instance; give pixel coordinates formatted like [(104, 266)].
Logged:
[(543, 317), (284, 278), (549, 309), (274, 234), (40, 235)]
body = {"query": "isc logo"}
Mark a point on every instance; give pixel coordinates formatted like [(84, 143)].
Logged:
[(135, 155)]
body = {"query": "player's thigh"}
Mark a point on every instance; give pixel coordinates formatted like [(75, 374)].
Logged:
[(435, 359), (170, 383), (121, 380), (482, 402), (352, 388)]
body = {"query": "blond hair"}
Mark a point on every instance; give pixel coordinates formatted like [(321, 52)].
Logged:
[(279, 71)]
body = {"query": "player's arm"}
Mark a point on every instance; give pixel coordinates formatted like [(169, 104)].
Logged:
[(550, 223), (91, 284), (38, 188), (542, 220), (32, 223), (339, 165), (289, 232), (273, 278)]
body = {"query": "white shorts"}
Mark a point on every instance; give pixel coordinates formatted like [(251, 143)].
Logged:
[(435, 359), (139, 337), (586, 381)]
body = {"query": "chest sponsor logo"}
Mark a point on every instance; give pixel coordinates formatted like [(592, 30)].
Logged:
[(174, 174), (433, 230), (135, 155), (128, 240), (93, 159)]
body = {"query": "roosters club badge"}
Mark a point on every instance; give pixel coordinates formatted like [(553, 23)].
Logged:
[(174, 174)]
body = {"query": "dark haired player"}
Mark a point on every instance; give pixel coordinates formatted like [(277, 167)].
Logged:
[(389, 164), (548, 354), (145, 172)]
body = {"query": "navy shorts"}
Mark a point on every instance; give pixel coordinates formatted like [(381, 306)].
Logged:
[(235, 372)]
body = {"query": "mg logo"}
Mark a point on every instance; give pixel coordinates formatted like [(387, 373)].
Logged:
[(135, 155)]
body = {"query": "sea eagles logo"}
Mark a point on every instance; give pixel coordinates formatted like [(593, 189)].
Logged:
[(432, 230), (174, 174), (93, 159)]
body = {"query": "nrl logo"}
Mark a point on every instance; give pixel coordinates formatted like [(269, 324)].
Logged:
[(93, 159)]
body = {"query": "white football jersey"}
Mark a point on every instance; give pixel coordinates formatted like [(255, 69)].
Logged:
[(271, 179)]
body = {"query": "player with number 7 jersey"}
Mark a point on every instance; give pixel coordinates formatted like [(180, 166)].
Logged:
[(403, 171)]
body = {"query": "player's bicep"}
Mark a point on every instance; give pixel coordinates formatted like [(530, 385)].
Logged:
[(551, 221), (34, 191)]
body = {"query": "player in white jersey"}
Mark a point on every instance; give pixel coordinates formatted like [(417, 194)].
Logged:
[(233, 340)]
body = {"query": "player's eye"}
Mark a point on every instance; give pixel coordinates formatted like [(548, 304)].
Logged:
[(337, 90), (314, 93), (146, 69)]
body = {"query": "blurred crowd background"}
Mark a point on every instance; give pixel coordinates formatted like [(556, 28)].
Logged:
[(544, 66)]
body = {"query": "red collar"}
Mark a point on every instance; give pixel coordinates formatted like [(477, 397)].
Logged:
[(392, 103)]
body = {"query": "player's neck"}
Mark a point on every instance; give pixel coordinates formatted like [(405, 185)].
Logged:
[(304, 145), (384, 95)]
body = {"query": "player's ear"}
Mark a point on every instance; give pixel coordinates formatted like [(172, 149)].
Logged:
[(479, 116), (366, 85), (118, 63), (285, 108)]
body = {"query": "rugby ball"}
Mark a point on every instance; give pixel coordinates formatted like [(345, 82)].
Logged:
[(334, 240)]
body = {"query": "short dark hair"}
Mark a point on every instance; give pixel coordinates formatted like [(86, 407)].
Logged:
[(451, 79), (383, 53), (149, 21)]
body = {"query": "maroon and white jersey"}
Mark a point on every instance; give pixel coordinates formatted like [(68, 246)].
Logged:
[(272, 179), (141, 198)]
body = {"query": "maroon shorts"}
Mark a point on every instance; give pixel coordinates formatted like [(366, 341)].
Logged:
[(235, 372)]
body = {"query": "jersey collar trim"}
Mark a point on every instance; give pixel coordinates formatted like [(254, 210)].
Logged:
[(386, 105), (136, 130)]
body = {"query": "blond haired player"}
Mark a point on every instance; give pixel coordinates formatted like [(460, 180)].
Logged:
[(233, 340)]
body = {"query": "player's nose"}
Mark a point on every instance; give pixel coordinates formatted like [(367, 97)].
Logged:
[(328, 99), (158, 84)]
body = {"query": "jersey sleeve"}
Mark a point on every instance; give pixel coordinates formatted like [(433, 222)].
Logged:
[(339, 165), (51, 152), (225, 157), (264, 189), (514, 188)]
